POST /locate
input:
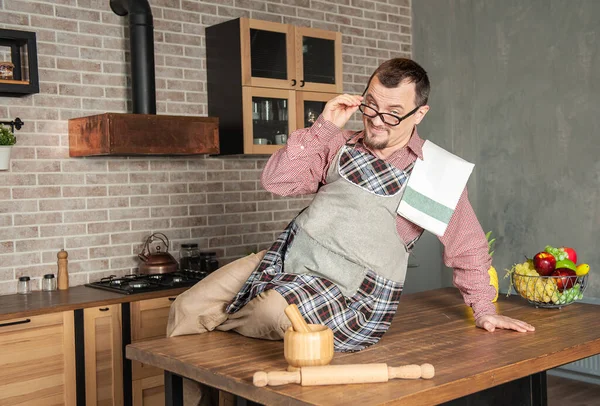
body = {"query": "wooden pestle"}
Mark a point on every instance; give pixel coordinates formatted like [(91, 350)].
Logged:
[(298, 322), (343, 374)]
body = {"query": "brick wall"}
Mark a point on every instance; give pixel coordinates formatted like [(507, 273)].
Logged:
[(101, 209)]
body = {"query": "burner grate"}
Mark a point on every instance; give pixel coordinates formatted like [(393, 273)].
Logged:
[(135, 283)]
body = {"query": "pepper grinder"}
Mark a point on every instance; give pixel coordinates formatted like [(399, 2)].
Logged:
[(63, 272)]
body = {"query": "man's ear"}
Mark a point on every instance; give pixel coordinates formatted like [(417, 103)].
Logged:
[(421, 113)]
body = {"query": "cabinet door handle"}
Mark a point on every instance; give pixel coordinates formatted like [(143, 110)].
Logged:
[(293, 82), (14, 323), (302, 83), (104, 309), (172, 299)]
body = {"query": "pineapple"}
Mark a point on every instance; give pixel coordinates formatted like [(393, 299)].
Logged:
[(492, 271)]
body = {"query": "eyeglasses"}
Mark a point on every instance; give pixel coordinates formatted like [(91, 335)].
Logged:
[(387, 118)]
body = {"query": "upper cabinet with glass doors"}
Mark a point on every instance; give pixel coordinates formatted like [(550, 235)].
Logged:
[(265, 80), (288, 57)]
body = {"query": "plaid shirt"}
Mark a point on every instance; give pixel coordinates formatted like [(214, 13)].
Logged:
[(357, 322), (301, 166), (371, 173)]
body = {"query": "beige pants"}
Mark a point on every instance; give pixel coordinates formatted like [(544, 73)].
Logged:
[(202, 308)]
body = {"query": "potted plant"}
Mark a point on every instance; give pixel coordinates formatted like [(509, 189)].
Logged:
[(7, 140)]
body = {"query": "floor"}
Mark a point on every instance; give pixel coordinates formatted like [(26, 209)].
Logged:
[(567, 392)]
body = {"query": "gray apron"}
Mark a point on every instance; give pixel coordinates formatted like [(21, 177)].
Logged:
[(350, 226)]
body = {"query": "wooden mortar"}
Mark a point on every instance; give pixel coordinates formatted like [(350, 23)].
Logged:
[(306, 344)]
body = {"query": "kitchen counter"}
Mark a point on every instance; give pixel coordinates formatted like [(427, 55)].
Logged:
[(78, 297)]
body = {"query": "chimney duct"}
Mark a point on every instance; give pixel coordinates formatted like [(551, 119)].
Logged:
[(143, 132), (141, 41)]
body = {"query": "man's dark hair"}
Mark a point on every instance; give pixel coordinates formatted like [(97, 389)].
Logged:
[(395, 71)]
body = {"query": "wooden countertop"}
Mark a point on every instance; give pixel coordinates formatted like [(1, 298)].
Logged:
[(78, 297), (434, 327)]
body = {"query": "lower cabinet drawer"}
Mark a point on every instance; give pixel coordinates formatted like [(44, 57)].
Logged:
[(37, 361), (149, 391)]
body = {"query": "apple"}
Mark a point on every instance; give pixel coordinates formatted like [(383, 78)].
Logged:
[(544, 263), (571, 254), (566, 280)]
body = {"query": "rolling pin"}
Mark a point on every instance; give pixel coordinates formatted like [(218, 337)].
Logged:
[(298, 322), (343, 374)]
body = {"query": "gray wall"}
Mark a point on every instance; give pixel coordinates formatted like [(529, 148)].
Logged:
[(425, 265), (516, 90)]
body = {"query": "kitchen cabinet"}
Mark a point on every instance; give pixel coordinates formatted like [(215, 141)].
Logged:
[(309, 106), (282, 55), (75, 356), (258, 126), (148, 320), (256, 73), (37, 365), (149, 391), (103, 355), (291, 110)]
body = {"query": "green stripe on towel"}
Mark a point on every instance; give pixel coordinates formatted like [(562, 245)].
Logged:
[(426, 205)]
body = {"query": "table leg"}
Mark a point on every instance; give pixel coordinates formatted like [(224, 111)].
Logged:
[(245, 402), (527, 391), (173, 389), (539, 389)]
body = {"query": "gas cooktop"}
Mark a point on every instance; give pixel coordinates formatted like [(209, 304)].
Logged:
[(129, 284)]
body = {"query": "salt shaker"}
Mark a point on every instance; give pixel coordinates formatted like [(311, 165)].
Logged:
[(24, 285), (63, 272), (49, 282)]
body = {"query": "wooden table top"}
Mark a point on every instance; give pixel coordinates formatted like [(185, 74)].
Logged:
[(433, 326)]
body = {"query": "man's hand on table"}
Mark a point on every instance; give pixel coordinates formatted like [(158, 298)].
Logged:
[(491, 322)]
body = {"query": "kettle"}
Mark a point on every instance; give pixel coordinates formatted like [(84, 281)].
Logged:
[(158, 262)]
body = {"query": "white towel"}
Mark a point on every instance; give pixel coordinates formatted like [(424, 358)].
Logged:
[(434, 188)]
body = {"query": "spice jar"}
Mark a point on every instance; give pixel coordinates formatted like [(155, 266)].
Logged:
[(208, 262), (189, 257), (49, 282), (24, 285), (6, 70)]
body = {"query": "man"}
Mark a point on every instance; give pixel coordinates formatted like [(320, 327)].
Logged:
[(343, 259)]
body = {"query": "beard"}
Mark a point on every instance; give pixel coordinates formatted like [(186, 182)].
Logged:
[(370, 142)]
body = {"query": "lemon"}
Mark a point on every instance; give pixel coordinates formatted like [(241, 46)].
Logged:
[(492, 271), (493, 281), (582, 269)]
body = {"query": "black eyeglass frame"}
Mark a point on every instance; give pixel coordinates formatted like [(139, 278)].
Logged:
[(382, 115)]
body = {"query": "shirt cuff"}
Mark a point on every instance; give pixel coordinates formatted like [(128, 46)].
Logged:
[(483, 309)]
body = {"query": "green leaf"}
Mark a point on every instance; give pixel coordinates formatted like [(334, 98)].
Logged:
[(6, 136), (490, 242)]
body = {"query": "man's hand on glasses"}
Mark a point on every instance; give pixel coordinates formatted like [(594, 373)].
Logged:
[(339, 109)]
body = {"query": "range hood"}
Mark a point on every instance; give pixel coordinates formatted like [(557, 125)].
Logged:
[(143, 132)]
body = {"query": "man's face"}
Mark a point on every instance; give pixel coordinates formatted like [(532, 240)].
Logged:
[(398, 101)]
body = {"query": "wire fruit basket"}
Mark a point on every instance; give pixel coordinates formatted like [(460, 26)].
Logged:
[(549, 291)]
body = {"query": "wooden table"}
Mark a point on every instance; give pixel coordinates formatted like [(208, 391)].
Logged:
[(433, 326)]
